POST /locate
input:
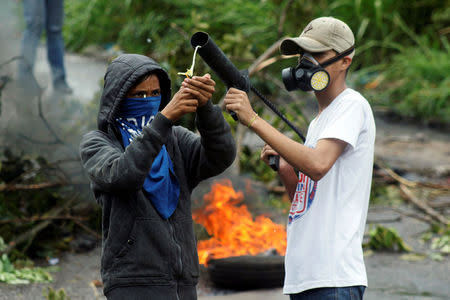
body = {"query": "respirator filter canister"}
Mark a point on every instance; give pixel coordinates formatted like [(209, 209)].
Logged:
[(309, 75)]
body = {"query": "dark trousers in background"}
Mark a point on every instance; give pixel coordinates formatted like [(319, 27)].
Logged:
[(40, 15)]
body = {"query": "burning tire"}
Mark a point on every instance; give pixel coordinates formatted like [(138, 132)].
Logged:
[(247, 272)]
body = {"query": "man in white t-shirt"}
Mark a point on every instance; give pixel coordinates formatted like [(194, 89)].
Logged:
[(329, 177)]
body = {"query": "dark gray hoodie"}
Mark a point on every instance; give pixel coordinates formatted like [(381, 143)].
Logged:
[(139, 247)]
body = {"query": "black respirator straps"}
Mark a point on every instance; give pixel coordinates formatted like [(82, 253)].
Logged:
[(338, 57), (320, 79)]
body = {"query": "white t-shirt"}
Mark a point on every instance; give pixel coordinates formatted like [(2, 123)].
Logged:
[(327, 218)]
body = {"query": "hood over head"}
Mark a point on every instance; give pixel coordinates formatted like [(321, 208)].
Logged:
[(122, 74)]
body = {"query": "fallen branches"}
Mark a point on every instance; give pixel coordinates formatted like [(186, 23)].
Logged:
[(28, 236), (87, 229), (42, 218), (37, 186), (424, 218), (401, 212), (408, 183), (405, 188), (45, 220), (409, 195)]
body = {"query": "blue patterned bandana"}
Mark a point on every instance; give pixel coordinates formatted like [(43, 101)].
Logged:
[(161, 185)]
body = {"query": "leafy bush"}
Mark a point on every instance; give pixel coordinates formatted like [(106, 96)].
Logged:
[(387, 239), (416, 84), (162, 30), (51, 294), (425, 94), (439, 239), (376, 26), (12, 275), (245, 29)]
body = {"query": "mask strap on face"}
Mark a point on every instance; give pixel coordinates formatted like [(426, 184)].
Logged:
[(308, 56), (338, 57)]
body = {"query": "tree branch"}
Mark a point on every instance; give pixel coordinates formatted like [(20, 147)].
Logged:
[(408, 183), (283, 18), (29, 235), (36, 186), (41, 218), (423, 205), (268, 53)]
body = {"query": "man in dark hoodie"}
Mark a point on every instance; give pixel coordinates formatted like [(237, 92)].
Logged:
[(143, 169)]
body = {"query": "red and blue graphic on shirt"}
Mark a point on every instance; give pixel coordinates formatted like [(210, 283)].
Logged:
[(303, 197)]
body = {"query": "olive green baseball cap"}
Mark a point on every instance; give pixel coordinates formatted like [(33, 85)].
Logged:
[(321, 34)]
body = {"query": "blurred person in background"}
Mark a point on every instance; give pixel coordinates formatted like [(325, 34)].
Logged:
[(40, 14), (143, 169), (329, 177)]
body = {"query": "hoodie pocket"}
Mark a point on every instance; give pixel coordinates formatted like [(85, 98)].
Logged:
[(188, 243), (146, 251)]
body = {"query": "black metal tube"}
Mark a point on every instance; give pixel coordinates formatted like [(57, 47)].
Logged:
[(218, 61), (231, 76)]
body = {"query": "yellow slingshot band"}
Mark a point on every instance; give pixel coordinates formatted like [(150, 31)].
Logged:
[(190, 72)]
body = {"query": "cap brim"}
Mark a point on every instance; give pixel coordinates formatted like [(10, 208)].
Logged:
[(298, 45)]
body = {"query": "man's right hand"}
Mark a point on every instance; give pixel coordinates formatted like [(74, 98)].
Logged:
[(286, 172), (268, 151), (182, 103)]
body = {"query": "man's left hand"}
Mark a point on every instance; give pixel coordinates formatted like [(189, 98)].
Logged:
[(201, 87)]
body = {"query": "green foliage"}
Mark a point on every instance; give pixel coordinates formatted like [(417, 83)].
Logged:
[(27, 203), (439, 240), (386, 239), (382, 194), (377, 24), (51, 294), (279, 203), (252, 164), (12, 275), (401, 35), (386, 31), (416, 84), (241, 28)]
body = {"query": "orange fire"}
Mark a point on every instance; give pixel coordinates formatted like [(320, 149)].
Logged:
[(233, 230)]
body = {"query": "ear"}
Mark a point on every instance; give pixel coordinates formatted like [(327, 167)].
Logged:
[(346, 62)]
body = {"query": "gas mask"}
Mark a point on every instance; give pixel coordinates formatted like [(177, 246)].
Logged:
[(309, 75)]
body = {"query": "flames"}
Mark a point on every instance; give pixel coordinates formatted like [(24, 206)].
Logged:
[(233, 230)]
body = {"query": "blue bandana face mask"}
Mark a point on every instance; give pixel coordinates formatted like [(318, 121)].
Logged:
[(161, 185), (134, 108), (134, 114)]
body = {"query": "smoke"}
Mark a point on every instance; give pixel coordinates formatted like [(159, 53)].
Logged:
[(34, 121)]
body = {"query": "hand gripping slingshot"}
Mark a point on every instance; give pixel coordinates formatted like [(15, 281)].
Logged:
[(232, 77)]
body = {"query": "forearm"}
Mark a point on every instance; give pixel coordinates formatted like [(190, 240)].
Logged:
[(289, 179), (313, 162), (213, 151), (297, 155), (216, 136)]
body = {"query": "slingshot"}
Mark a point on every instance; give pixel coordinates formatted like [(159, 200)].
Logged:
[(190, 72)]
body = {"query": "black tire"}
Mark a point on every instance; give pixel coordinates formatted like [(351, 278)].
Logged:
[(247, 272)]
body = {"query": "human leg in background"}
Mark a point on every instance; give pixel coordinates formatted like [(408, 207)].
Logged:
[(34, 14), (55, 44)]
